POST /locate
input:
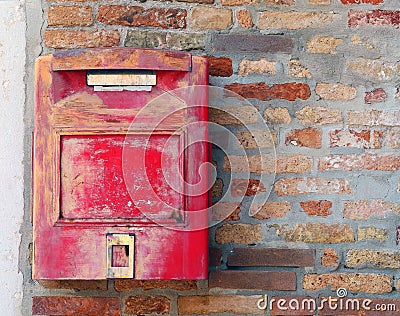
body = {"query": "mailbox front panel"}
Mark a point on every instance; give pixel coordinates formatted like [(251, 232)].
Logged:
[(98, 210)]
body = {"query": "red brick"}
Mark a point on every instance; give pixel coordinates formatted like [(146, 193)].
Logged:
[(72, 39), (138, 16), (270, 210), (216, 305), (288, 91), (374, 17), (374, 2), (384, 162), (214, 257), (226, 211), (294, 186), (246, 187), (317, 207), (253, 280), (180, 285), (364, 209), (140, 305), (220, 67), (352, 138), (284, 305), (269, 257), (330, 258), (375, 96), (69, 305), (70, 16), (309, 137)]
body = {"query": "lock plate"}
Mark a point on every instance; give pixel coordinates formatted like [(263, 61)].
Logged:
[(120, 255)]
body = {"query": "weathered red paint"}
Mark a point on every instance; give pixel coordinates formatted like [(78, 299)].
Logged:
[(79, 190)]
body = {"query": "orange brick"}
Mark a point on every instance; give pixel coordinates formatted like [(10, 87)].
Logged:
[(227, 211), (267, 164), (309, 137), (354, 282), (244, 19), (270, 210), (71, 39), (206, 18), (70, 16), (293, 186), (384, 162), (330, 258)]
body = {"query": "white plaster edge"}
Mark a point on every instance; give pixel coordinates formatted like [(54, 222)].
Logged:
[(12, 102)]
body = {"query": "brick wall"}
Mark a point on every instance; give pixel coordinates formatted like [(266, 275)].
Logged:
[(324, 75)]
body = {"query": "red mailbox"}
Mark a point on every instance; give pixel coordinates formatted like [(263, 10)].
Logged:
[(120, 137)]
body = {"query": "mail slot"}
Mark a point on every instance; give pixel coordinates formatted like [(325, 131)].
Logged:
[(120, 137)]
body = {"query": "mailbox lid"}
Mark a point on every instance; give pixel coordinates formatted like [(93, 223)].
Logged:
[(122, 58), (71, 119)]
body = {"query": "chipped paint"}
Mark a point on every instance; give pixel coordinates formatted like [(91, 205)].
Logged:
[(80, 191)]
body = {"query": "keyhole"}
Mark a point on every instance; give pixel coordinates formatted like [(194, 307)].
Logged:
[(120, 256)]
